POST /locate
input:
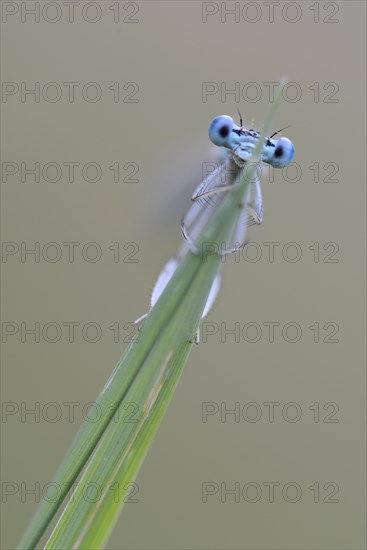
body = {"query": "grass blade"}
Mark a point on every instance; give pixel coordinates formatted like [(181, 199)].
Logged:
[(111, 451)]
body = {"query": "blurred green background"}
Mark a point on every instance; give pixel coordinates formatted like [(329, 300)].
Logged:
[(169, 51)]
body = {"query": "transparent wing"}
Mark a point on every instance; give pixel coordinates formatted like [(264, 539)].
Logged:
[(166, 275), (209, 192), (163, 279), (208, 196), (254, 204)]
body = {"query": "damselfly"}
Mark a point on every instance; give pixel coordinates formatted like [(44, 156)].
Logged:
[(240, 142)]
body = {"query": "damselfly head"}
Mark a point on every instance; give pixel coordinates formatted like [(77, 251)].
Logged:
[(224, 132)]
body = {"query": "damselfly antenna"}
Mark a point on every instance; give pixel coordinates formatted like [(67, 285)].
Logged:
[(240, 117), (278, 131)]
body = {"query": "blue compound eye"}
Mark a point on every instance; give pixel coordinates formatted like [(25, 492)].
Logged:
[(283, 153), (220, 131)]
